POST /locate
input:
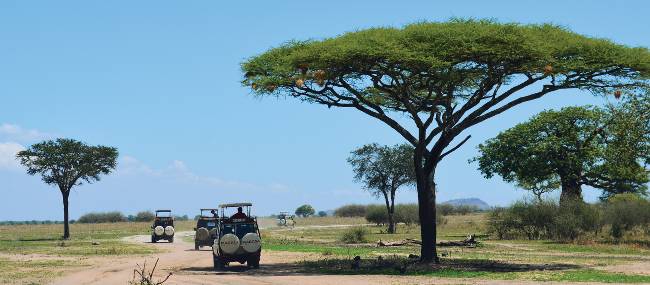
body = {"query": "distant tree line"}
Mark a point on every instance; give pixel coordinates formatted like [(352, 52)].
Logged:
[(357, 210), (99, 217)]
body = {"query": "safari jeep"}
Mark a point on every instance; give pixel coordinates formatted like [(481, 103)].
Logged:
[(163, 226), (286, 220), (238, 238), (206, 228)]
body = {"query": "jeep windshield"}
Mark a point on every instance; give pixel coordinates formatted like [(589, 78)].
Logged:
[(209, 213), (239, 230), (164, 214)]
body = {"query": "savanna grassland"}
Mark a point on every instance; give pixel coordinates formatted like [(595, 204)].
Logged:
[(536, 260), (34, 254)]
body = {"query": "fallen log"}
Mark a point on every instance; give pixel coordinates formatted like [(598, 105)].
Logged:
[(469, 241)]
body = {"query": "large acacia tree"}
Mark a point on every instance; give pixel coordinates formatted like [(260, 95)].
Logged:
[(383, 170), (67, 163), (569, 148), (446, 77)]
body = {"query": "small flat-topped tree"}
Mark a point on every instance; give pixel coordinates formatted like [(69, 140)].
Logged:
[(67, 163), (447, 77)]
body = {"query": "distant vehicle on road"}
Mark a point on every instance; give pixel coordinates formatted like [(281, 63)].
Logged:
[(238, 237), (286, 220), (163, 226), (206, 228)]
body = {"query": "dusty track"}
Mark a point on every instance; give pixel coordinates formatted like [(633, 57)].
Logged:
[(192, 267)]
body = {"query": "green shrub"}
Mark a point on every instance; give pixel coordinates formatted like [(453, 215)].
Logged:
[(322, 214), (351, 211), (107, 217), (144, 216), (625, 212), (355, 235), (544, 220), (407, 214), (377, 214)]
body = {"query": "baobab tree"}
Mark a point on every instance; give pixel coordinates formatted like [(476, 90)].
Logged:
[(446, 77), (570, 148), (67, 163)]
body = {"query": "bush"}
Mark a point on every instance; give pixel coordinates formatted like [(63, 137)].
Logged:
[(544, 220), (322, 214), (107, 217), (407, 214), (351, 211), (355, 235), (144, 216), (377, 214), (625, 212)]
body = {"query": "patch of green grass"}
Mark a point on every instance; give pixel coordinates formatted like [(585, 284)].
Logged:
[(332, 249), (32, 271), (484, 269), (591, 275), (596, 248)]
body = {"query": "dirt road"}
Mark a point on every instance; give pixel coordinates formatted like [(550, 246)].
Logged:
[(191, 267)]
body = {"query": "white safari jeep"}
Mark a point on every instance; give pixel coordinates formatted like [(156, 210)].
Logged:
[(163, 226), (238, 238)]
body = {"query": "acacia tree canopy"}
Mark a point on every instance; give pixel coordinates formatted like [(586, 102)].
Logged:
[(446, 77), (68, 163), (305, 210), (572, 147)]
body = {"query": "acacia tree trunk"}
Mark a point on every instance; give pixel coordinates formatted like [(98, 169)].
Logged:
[(66, 226), (427, 208), (391, 220)]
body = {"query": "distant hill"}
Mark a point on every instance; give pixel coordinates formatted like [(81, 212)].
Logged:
[(469, 202)]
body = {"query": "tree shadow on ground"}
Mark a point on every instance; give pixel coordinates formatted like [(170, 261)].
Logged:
[(274, 269), (39, 239), (386, 266)]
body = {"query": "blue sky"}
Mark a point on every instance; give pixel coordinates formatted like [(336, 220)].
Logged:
[(159, 80)]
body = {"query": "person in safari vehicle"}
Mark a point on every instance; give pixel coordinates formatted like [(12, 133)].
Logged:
[(238, 238), (206, 228)]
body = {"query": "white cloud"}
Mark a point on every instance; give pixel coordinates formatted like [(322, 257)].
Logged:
[(8, 151), (11, 132), (179, 171)]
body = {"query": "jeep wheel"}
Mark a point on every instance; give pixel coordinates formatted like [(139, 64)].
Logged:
[(218, 263), (153, 239), (254, 262), (171, 239), (196, 246)]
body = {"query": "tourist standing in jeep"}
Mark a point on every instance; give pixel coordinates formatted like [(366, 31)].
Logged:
[(238, 238), (206, 228)]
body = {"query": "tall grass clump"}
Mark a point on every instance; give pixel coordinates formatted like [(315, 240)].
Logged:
[(355, 235)]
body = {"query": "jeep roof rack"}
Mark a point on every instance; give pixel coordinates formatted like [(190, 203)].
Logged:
[(231, 205), (163, 210)]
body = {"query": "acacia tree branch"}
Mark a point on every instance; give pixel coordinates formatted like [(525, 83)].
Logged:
[(377, 113), (456, 147)]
